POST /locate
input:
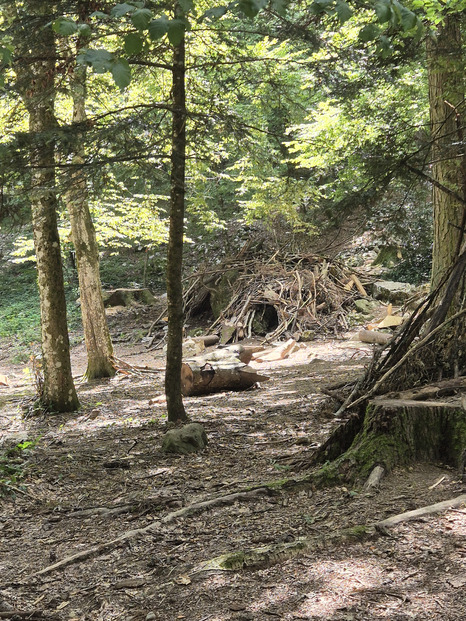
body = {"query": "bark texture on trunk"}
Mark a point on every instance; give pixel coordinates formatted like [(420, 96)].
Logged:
[(395, 432), (36, 83), (447, 114), (96, 333), (175, 407)]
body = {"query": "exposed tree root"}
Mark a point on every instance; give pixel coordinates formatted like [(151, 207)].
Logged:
[(139, 532), (24, 614), (438, 507), (277, 553)]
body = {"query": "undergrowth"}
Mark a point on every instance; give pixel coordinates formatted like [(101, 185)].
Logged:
[(13, 466), (20, 312)]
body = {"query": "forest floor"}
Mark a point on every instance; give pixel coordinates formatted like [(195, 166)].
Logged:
[(98, 474)]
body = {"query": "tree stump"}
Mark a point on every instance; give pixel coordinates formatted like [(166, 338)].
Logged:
[(127, 297), (395, 432)]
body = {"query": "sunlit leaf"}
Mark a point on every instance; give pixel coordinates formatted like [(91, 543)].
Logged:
[(121, 73), (280, 6), (99, 60), (383, 12), (141, 19), (251, 7), (158, 28), (64, 26), (384, 47), (215, 13), (122, 9), (369, 33), (133, 43), (343, 11), (176, 30), (186, 5), (408, 19), (84, 30), (6, 53), (320, 6)]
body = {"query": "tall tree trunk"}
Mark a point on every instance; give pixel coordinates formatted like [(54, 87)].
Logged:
[(96, 333), (447, 114), (175, 407), (36, 83)]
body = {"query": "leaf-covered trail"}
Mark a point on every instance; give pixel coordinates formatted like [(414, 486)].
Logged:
[(99, 474)]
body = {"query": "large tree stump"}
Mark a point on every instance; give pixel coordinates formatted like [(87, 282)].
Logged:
[(201, 376), (395, 432)]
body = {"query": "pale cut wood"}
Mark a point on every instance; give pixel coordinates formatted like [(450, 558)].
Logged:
[(278, 353), (390, 321), (201, 377), (438, 507), (374, 478), (359, 286), (370, 336), (208, 339)]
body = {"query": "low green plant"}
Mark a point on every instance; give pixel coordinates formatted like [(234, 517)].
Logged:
[(13, 465)]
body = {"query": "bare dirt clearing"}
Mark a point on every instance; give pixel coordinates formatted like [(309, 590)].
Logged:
[(98, 474)]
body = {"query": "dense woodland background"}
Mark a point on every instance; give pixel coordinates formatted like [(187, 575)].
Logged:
[(244, 162)]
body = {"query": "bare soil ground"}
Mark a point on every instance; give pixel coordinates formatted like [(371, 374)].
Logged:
[(99, 473)]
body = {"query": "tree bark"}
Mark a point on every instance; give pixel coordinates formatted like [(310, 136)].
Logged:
[(96, 333), (37, 88), (394, 433), (175, 407), (446, 101), (201, 376)]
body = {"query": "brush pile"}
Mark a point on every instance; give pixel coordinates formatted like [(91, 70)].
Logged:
[(291, 295)]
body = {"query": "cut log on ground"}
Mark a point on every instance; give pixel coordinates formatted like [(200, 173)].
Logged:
[(200, 376), (369, 336)]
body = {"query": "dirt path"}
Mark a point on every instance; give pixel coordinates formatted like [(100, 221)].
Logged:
[(99, 474)]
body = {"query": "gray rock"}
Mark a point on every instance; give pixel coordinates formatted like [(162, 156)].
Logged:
[(183, 440), (365, 306), (127, 297), (394, 292)]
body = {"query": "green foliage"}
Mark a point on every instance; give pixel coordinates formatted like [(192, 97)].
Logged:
[(19, 310), (133, 44), (13, 466)]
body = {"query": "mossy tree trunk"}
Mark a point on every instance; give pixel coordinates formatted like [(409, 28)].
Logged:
[(96, 333), (35, 82), (175, 407)]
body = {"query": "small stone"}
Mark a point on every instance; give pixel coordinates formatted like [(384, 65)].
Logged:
[(150, 616), (183, 440)]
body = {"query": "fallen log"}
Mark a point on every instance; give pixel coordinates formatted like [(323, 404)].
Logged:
[(370, 336), (200, 376)]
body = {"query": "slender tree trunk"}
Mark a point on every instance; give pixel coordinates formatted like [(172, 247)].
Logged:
[(175, 407), (447, 116), (36, 83), (96, 333)]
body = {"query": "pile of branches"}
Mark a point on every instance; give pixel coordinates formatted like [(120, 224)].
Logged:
[(286, 295)]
